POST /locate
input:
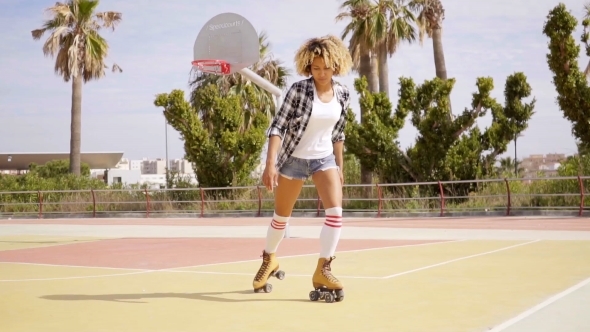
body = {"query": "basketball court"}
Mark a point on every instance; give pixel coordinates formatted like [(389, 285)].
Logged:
[(439, 274), (196, 274)]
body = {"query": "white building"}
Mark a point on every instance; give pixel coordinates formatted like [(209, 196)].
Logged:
[(123, 176), (181, 166), (157, 166)]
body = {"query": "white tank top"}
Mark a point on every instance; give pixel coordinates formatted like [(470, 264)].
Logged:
[(316, 141)]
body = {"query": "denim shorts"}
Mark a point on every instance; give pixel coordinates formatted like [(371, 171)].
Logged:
[(297, 168)]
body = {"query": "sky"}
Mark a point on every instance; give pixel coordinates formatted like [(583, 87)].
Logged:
[(154, 46)]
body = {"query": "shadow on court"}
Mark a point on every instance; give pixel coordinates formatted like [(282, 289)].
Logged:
[(135, 298)]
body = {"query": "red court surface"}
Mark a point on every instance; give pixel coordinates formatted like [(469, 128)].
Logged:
[(155, 253)]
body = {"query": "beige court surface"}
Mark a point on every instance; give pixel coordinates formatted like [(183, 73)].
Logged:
[(465, 285)]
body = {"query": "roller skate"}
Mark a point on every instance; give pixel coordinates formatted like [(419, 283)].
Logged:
[(269, 268), (326, 286)]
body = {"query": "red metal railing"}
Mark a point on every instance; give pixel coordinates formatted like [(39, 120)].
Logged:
[(389, 197)]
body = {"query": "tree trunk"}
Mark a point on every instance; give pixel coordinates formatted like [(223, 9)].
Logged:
[(76, 125), (383, 70), (366, 70), (439, 56), (374, 73), (439, 60)]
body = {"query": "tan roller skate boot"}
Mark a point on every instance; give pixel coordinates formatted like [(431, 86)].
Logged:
[(269, 268), (326, 286)]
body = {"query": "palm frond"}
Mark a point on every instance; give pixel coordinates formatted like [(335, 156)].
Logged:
[(74, 40)]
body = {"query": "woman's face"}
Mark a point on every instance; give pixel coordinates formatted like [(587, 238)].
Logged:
[(320, 72)]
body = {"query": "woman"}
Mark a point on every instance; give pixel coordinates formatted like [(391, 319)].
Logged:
[(310, 126)]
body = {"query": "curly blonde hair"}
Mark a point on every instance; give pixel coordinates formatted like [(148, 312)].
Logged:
[(330, 48)]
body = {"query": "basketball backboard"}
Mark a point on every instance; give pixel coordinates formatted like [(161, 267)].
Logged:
[(228, 37)]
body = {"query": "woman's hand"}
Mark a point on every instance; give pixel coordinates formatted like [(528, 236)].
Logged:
[(270, 177), (341, 176)]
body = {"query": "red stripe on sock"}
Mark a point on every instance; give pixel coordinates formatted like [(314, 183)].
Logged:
[(333, 222), (278, 225)]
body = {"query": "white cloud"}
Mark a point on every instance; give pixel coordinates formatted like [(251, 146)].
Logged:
[(154, 43)]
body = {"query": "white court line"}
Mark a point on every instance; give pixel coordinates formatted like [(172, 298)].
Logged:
[(338, 252), (539, 306), (458, 259), (173, 269), (389, 276), (77, 266), (287, 274), (49, 245)]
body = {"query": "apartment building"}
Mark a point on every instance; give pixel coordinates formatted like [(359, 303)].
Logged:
[(548, 164), (181, 166), (146, 171)]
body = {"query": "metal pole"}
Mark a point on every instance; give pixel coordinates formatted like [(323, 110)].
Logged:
[(515, 157), (166, 140), (261, 82)]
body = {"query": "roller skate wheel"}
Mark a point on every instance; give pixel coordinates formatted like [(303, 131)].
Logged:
[(267, 288), (328, 297), (314, 295), (339, 295), (280, 275)]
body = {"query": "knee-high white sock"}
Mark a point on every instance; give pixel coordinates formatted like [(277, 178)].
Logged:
[(275, 233), (330, 233)]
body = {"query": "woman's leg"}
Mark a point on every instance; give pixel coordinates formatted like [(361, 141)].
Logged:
[(329, 187), (285, 196), (286, 193)]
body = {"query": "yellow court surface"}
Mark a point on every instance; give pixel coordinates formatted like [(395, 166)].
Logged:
[(465, 285), (27, 241)]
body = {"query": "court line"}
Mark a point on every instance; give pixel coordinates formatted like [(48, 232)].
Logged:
[(287, 274), (50, 245), (174, 269), (384, 277), (225, 263), (77, 266), (317, 253), (539, 306), (457, 259)]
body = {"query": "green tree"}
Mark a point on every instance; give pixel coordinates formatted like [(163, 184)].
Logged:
[(56, 168), (445, 149), (80, 53), (376, 29), (223, 151), (569, 81), (586, 35), (507, 166)]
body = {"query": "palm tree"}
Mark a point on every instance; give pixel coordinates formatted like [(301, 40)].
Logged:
[(398, 18), (431, 14), (366, 27), (267, 67), (79, 53), (508, 165)]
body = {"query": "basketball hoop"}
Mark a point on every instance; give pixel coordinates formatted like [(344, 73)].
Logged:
[(212, 66)]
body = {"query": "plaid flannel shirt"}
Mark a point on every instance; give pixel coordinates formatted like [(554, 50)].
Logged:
[(292, 118)]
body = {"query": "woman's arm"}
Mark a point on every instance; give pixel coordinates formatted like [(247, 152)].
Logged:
[(274, 143), (338, 153)]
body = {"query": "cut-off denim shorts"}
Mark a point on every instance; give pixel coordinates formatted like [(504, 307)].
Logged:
[(302, 169)]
